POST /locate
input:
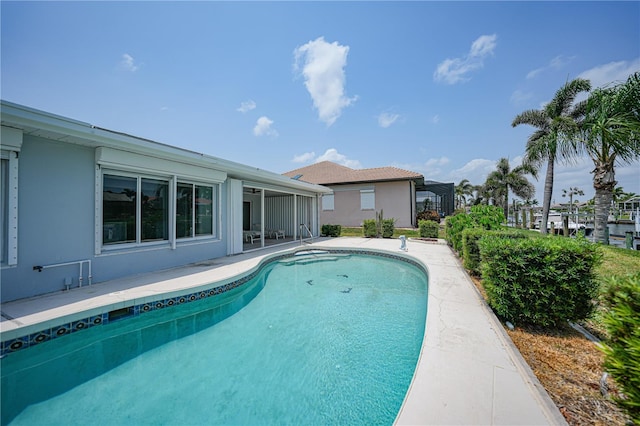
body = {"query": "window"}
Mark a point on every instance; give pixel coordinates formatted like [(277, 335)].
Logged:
[(134, 209), (194, 212), (367, 199), (8, 208), (4, 209), (327, 202)]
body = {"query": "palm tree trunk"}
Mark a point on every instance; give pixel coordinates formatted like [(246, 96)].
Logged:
[(505, 204), (548, 190), (604, 183)]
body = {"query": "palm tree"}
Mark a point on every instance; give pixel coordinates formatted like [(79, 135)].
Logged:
[(554, 124), (462, 190), (610, 134), (503, 179)]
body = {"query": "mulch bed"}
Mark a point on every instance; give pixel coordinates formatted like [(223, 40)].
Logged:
[(569, 366)]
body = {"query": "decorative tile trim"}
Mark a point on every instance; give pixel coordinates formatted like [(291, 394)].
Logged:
[(23, 342)]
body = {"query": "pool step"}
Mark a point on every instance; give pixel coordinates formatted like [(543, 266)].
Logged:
[(304, 259)]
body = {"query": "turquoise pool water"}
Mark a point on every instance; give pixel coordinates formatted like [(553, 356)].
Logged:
[(309, 341)]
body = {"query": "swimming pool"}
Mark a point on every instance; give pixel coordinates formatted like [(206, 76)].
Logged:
[(326, 338)]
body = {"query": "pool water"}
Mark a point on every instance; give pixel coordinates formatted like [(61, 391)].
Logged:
[(323, 340)]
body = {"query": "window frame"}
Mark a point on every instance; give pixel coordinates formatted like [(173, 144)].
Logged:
[(215, 213), (139, 242), (172, 180), (9, 206), (367, 199), (326, 204)]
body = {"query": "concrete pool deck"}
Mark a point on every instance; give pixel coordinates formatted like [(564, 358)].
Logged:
[(469, 371)]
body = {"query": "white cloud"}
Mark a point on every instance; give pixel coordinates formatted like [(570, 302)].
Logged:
[(483, 46), (263, 127), (323, 70), (333, 155), (435, 119), (433, 167), (433, 162), (128, 63), (520, 96), (386, 119), (475, 171), (246, 106), (452, 71), (613, 72), (555, 64), (304, 158)]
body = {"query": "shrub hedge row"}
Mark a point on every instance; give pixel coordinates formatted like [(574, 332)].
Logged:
[(539, 281), (483, 217), (331, 230), (428, 228), (471, 250), (622, 348), (370, 228)]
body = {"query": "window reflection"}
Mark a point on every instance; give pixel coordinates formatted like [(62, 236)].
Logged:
[(119, 209)]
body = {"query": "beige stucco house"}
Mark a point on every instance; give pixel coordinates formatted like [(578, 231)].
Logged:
[(359, 193)]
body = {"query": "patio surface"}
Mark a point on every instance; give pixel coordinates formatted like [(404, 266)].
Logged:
[(469, 371)]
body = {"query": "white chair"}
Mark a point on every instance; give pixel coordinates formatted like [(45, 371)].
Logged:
[(279, 234)]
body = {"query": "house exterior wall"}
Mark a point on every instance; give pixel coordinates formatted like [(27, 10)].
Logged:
[(74, 194), (57, 215), (395, 199)]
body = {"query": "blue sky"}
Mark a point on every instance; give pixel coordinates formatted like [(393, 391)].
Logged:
[(431, 87)]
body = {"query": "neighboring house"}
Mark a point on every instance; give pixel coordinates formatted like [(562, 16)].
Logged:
[(82, 204), (359, 193)]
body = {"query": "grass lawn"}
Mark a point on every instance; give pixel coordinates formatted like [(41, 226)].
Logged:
[(407, 232)]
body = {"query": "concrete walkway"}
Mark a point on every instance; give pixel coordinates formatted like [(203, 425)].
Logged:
[(469, 371)]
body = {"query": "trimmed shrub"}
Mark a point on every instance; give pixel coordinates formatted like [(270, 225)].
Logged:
[(331, 230), (388, 226), (428, 215), (454, 226), (369, 228), (428, 228), (484, 217), (622, 349), (488, 217), (539, 281), (471, 250)]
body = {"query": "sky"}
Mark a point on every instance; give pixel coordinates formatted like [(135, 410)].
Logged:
[(430, 87)]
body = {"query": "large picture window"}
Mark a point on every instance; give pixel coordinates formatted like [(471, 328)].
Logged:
[(134, 209), (194, 213)]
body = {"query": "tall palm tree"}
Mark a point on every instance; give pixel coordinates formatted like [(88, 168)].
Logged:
[(504, 179), (555, 124), (462, 190), (610, 134)]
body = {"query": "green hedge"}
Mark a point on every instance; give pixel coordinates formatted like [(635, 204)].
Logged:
[(539, 281), (331, 230), (484, 217), (388, 226), (428, 228), (369, 228), (471, 250), (622, 349)]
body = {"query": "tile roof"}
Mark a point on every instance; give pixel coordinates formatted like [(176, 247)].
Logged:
[(326, 172)]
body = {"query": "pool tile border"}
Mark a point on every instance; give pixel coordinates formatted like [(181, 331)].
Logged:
[(46, 334)]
